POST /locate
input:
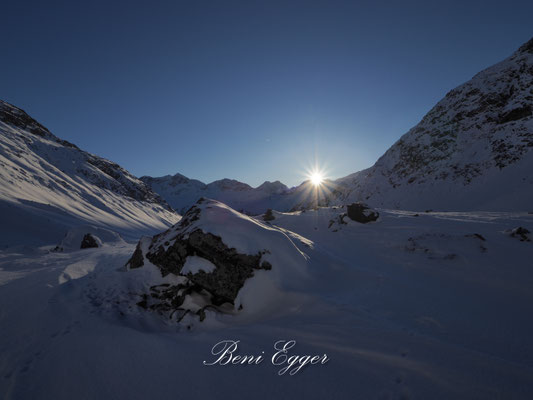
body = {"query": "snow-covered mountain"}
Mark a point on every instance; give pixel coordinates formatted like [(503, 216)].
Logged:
[(472, 151), (181, 193), (48, 184)]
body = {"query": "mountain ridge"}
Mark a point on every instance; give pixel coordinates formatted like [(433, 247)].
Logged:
[(45, 177), (182, 192)]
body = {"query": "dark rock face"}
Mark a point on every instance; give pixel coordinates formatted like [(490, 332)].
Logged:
[(516, 114), (232, 268), (361, 212), (527, 47), (268, 215), (88, 242), (137, 259), (15, 116)]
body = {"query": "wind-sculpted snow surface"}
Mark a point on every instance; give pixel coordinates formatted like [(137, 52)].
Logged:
[(223, 261), (428, 305), (48, 185)]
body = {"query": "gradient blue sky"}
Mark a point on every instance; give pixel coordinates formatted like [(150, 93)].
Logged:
[(247, 90)]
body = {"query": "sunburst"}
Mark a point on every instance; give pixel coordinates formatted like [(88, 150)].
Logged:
[(316, 178)]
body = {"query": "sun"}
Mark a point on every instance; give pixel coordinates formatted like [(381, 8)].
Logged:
[(316, 178)]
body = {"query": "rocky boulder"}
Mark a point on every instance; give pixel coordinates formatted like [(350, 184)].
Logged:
[(521, 233), (361, 212), (207, 259), (268, 216), (87, 237)]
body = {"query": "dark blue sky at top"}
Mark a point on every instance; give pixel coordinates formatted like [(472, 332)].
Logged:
[(247, 90)]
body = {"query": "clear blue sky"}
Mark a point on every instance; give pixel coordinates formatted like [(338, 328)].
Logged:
[(245, 90)]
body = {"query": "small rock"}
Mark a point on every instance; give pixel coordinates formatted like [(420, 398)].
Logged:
[(477, 236), (137, 259), (268, 216), (88, 242), (521, 233)]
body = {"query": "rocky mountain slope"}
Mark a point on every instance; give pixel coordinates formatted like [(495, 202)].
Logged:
[(48, 184), (472, 151)]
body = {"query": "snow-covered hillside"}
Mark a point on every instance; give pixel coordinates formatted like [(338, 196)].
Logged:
[(472, 151), (48, 184)]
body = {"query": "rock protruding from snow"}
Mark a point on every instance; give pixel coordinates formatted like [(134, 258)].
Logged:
[(361, 212), (217, 254), (89, 242), (521, 233), (86, 237), (268, 216)]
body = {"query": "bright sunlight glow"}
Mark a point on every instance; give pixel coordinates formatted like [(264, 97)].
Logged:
[(316, 178)]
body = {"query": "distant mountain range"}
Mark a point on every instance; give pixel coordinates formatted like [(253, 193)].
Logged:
[(181, 193)]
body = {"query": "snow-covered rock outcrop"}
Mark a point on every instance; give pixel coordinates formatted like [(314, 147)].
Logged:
[(48, 185), (88, 236), (217, 258)]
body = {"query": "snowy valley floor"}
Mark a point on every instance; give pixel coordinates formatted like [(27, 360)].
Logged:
[(435, 306)]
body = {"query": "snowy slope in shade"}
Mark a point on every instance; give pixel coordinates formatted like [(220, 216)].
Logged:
[(48, 185), (472, 151)]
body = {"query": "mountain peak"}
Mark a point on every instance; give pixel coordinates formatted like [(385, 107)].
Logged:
[(18, 118), (272, 187), (526, 47), (230, 184)]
